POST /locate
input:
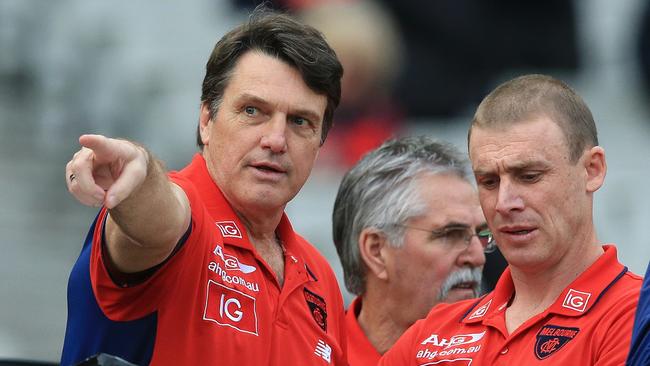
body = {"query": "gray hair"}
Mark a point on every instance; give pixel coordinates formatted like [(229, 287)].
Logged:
[(381, 191)]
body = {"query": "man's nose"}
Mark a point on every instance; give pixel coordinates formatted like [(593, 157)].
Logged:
[(474, 255), (274, 136), (508, 198)]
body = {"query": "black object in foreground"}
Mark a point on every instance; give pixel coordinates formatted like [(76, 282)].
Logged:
[(103, 359)]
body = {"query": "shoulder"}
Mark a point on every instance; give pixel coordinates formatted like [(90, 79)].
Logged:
[(626, 287), (454, 312), (446, 316), (442, 319)]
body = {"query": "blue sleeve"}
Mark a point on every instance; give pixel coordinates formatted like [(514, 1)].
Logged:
[(89, 331), (640, 349)]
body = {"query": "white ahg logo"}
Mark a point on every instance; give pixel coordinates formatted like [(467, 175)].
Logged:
[(457, 340), (231, 262), (229, 229), (576, 300), (323, 350)]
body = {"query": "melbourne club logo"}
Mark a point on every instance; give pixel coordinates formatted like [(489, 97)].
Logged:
[(228, 229), (576, 300), (551, 338), (317, 307)]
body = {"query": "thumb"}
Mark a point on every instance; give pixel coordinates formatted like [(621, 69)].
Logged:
[(132, 176)]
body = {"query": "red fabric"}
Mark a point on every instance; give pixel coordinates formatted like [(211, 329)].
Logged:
[(589, 324), (214, 311), (360, 351)]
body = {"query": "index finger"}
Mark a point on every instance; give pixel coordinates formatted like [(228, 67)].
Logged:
[(104, 149)]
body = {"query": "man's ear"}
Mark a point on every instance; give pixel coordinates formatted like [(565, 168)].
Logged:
[(372, 245), (204, 123), (595, 168)]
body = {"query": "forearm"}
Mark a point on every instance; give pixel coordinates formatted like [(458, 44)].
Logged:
[(143, 229)]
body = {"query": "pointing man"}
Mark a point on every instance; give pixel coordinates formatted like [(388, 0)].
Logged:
[(202, 266)]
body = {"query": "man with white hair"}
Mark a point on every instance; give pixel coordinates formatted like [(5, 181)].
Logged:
[(410, 233)]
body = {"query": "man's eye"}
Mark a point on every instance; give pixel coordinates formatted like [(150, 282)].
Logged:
[(300, 121), (454, 234), (251, 111), (488, 183), (530, 177)]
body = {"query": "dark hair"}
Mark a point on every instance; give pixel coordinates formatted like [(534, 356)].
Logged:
[(536, 95), (280, 36)]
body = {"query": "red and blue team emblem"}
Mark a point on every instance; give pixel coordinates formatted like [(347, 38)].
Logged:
[(551, 338), (317, 307)]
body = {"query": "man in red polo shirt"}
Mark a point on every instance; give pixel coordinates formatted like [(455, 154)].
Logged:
[(564, 299), (202, 266), (410, 233)]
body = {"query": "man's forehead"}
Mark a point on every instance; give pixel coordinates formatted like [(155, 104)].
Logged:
[(271, 80), (456, 206), (524, 145)]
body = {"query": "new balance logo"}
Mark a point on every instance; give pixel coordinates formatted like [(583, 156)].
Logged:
[(324, 351)]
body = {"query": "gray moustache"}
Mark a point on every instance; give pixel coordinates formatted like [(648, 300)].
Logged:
[(463, 275)]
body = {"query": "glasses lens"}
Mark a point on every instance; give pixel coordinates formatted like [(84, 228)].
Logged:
[(455, 236), (487, 240)]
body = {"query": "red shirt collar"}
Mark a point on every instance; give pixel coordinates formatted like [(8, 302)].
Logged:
[(360, 350), (575, 300)]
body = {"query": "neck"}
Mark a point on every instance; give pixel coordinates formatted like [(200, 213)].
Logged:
[(260, 227), (379, 319), (537, 290), (260, 221)]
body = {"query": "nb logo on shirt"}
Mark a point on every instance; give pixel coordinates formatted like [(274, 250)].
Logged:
[(231, 308), (323, 350)]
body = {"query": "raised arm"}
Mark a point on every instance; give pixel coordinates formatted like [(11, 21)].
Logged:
[(148, 214)]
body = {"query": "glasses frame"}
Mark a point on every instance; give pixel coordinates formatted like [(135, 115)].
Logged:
[(490, 247)]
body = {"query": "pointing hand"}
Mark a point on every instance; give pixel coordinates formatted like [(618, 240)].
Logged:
[(105, 171)]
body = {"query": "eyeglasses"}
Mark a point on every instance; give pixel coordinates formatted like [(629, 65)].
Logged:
[(460, 236)]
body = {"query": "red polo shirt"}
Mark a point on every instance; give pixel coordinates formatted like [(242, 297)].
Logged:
[(219, 303), (360, 351), (590, 323)]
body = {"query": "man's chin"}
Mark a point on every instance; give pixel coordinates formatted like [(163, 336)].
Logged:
[(459, 294)]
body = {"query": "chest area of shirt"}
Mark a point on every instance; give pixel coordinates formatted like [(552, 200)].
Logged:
[(552, 341), (243, 295)]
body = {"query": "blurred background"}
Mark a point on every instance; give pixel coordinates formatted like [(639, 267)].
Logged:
[(134, 69)]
